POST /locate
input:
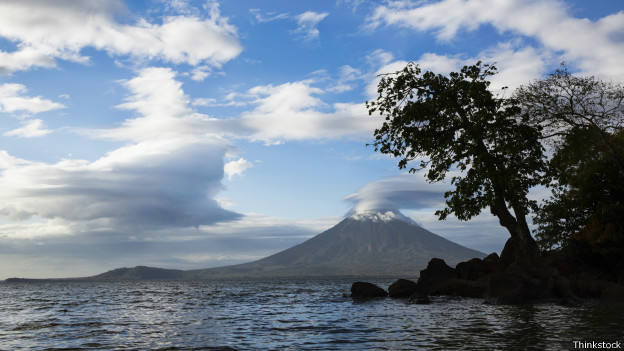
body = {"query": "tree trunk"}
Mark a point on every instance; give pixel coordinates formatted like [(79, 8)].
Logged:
[(520, 247)]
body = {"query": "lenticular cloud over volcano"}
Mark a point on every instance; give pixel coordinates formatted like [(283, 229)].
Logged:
[(405, 191)]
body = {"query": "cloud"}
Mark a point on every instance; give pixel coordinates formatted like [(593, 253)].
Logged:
[(31, 129), (348, 75), (307, 22), (50, 253), (162, 106), (594, 46), (307, 25), (13, 100), (406, 191), (48, 30), (293, 111), (237, 167), (515, 65), (415, 197), (166, 176), (153, 184), (267, 17)]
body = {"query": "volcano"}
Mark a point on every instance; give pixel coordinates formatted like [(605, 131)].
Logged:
[(373, 244)]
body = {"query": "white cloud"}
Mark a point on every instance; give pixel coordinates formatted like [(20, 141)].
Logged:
[(348, 75), (237, 167), (594, 46), (30, 129), (167, 182), (13, 100), (406, 191), (8, 161), (166, 176), (163, 109), (515, 66), (307, 25), (49, 30), (24, 59), (292, 111), (268, 17), (418, 199)]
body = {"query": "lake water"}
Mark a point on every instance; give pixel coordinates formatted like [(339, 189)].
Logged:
[(281, 315)]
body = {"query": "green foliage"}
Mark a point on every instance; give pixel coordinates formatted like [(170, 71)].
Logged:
[(454, 122)]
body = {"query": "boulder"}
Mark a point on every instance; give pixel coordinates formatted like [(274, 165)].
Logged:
[(459, 287), (493, 264), (471, 270), (492, 258), (613, 292), (364, 290), (524, 284), (437, 271), (402, 288), (589, 285), (505, 288)]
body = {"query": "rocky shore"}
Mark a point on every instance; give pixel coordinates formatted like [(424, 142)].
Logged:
[(554, 277)]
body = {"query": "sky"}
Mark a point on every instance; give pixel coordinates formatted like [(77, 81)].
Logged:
[(195, 134)]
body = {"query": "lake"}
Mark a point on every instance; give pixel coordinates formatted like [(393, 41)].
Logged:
[(281, 315)]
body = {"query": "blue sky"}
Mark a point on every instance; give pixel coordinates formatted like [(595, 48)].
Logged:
[(191, 134)]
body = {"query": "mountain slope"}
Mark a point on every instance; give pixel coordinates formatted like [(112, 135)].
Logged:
[(140, 273), (357, 246)]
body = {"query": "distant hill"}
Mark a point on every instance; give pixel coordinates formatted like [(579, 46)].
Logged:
[(374, 244), (140, 273)]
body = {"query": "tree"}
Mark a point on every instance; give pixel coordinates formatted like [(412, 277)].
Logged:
[(455, 122), (562, 103), (583, 121), (587, 206)]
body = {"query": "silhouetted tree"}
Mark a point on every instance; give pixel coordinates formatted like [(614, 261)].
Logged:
[(587, 206), (583, 121), (563, 103), (454, 123)]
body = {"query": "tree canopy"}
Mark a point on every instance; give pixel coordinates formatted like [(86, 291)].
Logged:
[(563, 104), (583, 121), (455, 123)]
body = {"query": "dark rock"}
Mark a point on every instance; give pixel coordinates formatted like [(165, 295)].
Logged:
[(613, 292), (459, 287), (471, 270), (493, 263), (402, 288), (555, 276), (492, 258), (505, 288), (524, 284), (364, 290), (437, 271), (589, 285)]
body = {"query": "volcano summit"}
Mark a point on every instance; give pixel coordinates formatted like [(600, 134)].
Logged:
[(371, 243)]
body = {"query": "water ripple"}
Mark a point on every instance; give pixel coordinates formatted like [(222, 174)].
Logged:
[(279, 315)]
